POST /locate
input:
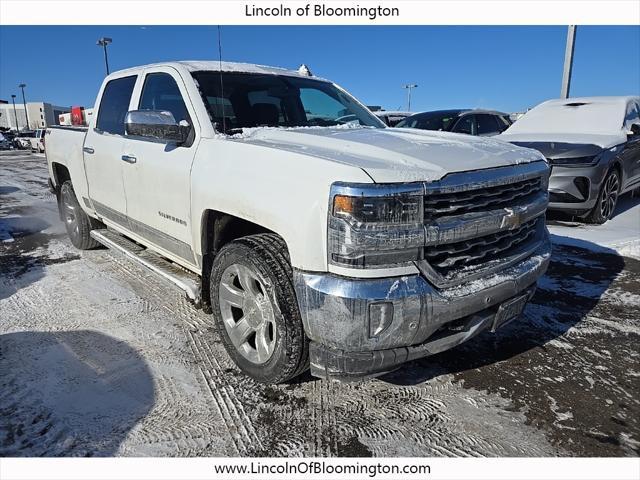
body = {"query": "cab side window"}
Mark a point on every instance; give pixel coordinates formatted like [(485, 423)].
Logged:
[(487, 124), (114, 105), (161, 92), (466, 125), (632, 115)]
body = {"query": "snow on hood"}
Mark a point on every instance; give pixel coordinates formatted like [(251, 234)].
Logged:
[(394, 154), (603, 141), (601, 121)]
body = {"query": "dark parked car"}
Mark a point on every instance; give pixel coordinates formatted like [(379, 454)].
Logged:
[(593, 146), (472, 122)]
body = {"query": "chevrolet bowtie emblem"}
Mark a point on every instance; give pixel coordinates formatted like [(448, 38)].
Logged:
[(511, 220)]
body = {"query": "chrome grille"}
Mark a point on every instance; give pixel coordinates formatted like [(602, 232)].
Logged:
[(479, 223), (469, 255), (439, 204)]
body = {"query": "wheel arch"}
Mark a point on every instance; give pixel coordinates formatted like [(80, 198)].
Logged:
[(617, 165), (217, 229), (60, 174)]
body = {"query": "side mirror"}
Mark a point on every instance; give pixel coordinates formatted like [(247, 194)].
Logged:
[(156, 124), (635, 130)]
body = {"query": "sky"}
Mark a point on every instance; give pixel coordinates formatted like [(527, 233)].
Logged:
[(506, 68)]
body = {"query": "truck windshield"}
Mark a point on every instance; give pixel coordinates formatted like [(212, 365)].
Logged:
[(244, 100)]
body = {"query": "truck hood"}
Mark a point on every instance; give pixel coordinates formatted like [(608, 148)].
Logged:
[(393, 154)]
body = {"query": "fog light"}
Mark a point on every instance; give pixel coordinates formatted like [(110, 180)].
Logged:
[(380, 317)]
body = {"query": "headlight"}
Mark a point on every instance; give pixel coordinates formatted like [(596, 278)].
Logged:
[(396, 209), (575, 161), (375, 226)]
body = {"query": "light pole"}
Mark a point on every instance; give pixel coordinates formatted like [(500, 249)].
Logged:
[(568, 61), (15, 113), (409, 87), (24, 102), (103, 42)]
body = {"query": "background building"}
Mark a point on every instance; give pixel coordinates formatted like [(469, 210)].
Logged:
[(41, 115)]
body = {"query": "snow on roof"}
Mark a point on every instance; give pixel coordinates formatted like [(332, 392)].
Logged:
[(585, 115), (216, 66), (611, 100), (381, 113)]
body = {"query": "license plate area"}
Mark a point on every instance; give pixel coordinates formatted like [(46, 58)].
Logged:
[(509, 311)]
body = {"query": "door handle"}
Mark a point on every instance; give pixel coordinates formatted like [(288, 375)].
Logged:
[(88, 150), (129, 159)]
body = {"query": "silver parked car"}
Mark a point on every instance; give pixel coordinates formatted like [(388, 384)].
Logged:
[(593, 146)]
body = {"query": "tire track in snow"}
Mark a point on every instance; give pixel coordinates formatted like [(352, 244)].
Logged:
[(229, 407)]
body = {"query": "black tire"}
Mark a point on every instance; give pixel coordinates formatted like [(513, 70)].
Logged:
[(607, 199), (266, 256), (76, 221)]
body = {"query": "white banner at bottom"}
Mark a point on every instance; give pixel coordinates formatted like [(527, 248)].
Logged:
[(319, 468)]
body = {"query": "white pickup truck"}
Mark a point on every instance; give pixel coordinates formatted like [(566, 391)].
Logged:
[(315, 235)]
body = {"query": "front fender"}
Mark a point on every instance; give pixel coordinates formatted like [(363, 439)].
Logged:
[(285, 192)]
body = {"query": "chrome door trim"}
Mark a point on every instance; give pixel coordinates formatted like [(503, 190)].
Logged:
[(159, 238)]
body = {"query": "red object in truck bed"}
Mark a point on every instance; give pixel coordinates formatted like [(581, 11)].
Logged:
[(76, 116)]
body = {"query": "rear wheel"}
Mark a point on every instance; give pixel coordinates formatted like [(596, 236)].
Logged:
[(607, 199), (76, 221), (256, 311)]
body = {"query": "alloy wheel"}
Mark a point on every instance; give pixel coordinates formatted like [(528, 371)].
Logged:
[(609, 195), (70, 214), (248, 313)]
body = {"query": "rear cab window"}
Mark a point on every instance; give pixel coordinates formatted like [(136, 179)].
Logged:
[(114, 105)]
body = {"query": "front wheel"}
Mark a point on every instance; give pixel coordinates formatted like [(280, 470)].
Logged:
[(607, 199), (77, 223), (255, 309)]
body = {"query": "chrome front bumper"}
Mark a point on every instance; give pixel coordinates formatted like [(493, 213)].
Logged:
[(337, 313)]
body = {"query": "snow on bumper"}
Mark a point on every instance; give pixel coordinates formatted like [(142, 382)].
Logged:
[(342, 316)]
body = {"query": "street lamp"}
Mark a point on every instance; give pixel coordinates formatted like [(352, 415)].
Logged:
[(103, 42), (24, 102), (409, 87), (568, 61), (15, 113)]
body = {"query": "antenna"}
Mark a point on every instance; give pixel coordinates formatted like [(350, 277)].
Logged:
[(224, 121)]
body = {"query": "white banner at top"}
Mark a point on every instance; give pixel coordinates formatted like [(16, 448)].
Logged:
[(331, 12)]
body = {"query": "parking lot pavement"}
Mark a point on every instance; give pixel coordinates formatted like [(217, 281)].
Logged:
[(99, 357)]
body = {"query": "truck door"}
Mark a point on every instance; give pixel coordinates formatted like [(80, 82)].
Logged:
[(157, 179), (102, 151)]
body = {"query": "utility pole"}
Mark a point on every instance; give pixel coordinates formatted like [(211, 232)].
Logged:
[(568, 61), (103, 42), (409, 87), (15, 113), (24, 102)]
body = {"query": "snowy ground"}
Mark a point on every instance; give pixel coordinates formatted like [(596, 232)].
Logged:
[(98, 357), (621, 234)]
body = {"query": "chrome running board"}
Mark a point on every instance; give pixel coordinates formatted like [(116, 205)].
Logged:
[(181, 278)]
